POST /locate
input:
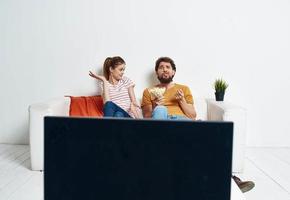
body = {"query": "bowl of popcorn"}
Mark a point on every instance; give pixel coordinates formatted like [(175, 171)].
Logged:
[(157, 92)]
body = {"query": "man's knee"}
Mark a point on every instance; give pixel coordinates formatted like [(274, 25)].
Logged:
[(160, 108), (160, 112)]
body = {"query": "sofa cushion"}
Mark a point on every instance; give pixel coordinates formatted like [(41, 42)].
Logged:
[(86, 106), (200, 106)]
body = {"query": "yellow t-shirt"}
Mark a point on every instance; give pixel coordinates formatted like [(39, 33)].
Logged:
[(169, 99)]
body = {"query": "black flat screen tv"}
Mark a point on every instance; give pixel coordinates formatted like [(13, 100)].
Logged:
[(128, 159)]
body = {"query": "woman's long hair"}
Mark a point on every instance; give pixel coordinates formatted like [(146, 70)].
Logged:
[(112, 62)]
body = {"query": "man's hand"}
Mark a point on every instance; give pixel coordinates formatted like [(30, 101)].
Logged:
[(188, 109), (98, 77), (158, 101), (179, 96)]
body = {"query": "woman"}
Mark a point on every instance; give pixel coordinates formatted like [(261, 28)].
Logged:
[(118, 90)]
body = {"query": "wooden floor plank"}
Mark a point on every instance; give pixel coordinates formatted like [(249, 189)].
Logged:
[(17, 169), (282, 153), (8, 162), (32, 189), (265, 188), (3, 147), (10, 150), (271, 166), (14, 182)]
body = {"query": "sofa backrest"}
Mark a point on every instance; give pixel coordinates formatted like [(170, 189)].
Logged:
[(199, 104)]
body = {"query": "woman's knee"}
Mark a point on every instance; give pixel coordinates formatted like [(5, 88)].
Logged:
[(118, 114), (109, 104)]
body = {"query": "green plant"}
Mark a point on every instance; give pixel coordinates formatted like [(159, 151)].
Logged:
[(220, 85)]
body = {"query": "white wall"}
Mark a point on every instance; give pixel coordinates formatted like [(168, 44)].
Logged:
[(47, 48)]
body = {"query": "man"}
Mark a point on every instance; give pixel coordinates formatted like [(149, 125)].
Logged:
[(175, 103)]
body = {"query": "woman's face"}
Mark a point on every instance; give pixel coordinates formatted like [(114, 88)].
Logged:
[(118, 72)]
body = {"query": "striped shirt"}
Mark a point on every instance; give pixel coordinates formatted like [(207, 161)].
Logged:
[(119, 94)]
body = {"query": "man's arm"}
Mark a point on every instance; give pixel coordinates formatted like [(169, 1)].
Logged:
[(187, 108), (147, 106), (147, 111)]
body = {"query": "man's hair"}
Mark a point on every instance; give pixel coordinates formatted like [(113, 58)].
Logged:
[(165, 59)]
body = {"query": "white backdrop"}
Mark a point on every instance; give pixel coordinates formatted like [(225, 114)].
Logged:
[(48, 46)]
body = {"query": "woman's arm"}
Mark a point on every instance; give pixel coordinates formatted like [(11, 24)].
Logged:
[(106, 96), (132, 96), (135, 107)]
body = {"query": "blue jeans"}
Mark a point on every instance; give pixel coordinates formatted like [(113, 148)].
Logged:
[(160, 112), (113, 110)]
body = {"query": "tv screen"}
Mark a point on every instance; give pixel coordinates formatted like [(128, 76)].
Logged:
[(116, 159)]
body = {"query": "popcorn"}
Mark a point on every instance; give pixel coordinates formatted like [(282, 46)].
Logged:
[(157, 92)]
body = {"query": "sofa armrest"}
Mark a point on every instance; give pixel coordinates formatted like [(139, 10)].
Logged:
[(37, 112), (225, 111)]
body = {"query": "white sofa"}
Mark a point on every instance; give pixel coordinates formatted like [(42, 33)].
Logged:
[(207, 109)]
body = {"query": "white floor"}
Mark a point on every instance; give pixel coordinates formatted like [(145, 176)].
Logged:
[(269, 168)]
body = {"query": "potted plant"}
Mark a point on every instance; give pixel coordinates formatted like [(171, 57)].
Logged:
[(220, 87)]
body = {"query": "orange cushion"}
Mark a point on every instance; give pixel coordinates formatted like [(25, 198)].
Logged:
[(86, 106)]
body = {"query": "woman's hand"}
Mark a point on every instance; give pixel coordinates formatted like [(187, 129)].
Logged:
[(136, 110), (135, 104), (98, 77)]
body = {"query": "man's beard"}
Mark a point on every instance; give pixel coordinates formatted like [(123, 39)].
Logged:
[(165, 80)]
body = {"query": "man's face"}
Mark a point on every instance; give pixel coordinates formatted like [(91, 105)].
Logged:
[(165, 73)]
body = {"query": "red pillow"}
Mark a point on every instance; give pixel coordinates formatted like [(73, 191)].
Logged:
[(86, 106)]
